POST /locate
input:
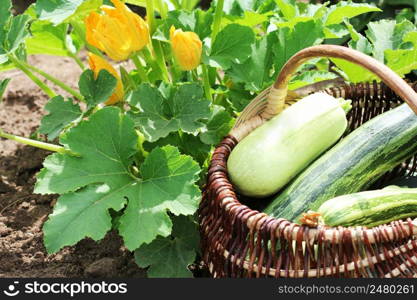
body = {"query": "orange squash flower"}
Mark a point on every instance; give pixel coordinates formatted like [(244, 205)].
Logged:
[(96, 64), (118, 31), (186, 47)]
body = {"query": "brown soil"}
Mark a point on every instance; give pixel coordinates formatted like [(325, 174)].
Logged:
[(22, 213)]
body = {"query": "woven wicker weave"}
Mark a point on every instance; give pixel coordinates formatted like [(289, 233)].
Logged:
[(238, 241)]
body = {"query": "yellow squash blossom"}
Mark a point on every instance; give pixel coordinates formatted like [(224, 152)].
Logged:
[(96, 64), (186, 47), (118, 31)]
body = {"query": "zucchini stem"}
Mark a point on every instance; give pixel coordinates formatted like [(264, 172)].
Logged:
[(140, 68), (45, 88), (55, 81), (35, 143), (206, 83), (218, 13), (150, 15)]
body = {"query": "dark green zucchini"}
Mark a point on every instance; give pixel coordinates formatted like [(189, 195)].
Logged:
[(352, 165), (370, 208)]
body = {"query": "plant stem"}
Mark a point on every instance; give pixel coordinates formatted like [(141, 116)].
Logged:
[(219, 99), (141, 72), (162, 9), (176, 4), (160, 59), (55, 81), (175, 73), (219, 78), (35, 143), (156, 45), (194, 74), (150, 15), (217, 19), (32, 76), (146, 54), (72, 55), (77, 60), (206, 82), (94, 50), (218, 14)]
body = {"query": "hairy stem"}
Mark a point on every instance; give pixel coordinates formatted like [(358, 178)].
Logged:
[(35, 143), (162, 9), (160, 59), (55, 81), (77, 60), (206, 82), (150, 15), (32, 76), (140, 68), (217, 19)]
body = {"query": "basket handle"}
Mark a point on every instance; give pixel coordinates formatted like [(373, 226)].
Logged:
[(278, 92)]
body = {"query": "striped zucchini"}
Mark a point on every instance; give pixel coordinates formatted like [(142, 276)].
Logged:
[(352, 165), (370, 208)]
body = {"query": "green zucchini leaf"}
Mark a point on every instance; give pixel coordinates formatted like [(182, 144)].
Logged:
[(59, 11), (100, 178), (158, 116), (3, 86), (61, 113), (233, 44), (96, 90), (170, 257)]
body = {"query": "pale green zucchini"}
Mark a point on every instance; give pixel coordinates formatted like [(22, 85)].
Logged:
[(271, 155)]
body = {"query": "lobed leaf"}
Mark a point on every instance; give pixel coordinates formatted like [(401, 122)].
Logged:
[(59, 11), (3, 86), (168, 257), (403, 61), (387, 41), (105, 143), (309, 77), (61, 113), (100, 178), (47, 39), (387, 34), (168, 183), (96, 90), (287, 8), (187, 144), (249, 18), (255, 72), (81, 214), (197, 21), (232, 45), (5, 16), (217, 127), (17, 32), (347, 9), (159, 116), (292, 40)]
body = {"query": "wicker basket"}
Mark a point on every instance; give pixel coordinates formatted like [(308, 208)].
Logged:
[(238, 241)]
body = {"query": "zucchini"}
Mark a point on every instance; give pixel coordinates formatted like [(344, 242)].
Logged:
[(370, 208), (352, 165), (271, 155)]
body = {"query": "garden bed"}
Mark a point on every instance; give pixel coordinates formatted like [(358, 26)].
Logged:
[(22, 213)]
